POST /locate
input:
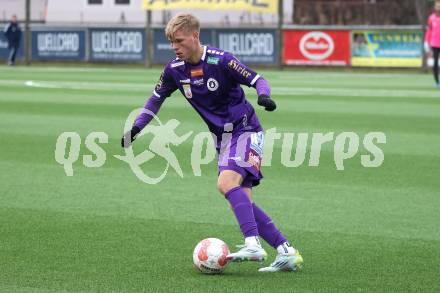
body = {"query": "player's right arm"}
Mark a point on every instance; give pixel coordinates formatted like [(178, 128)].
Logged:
[(163, 89), (244, 75)]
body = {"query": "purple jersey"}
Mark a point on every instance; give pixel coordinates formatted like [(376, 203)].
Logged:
[(212, 87)]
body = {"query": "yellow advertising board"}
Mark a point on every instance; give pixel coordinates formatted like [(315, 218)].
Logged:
[(265, 6), (382, 48)]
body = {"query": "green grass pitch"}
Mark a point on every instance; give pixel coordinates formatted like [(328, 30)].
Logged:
[(103, 230)]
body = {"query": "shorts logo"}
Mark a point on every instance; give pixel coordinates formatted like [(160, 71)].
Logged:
[(197, 72), (257, 142), (254, 160), (185, 80), (187, 91), (213, 60), (238, 158), (212, 84)]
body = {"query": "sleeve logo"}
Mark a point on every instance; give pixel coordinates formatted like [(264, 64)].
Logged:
[(240, 69), (159, 82)]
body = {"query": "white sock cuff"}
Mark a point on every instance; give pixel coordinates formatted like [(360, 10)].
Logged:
[(253, 240), (286, 248)]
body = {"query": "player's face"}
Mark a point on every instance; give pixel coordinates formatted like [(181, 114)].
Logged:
[(185, 44), (437, 7)]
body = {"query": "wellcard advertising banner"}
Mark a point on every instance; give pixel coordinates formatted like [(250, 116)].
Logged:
[(58, 45), (117, 45), (257, 46)]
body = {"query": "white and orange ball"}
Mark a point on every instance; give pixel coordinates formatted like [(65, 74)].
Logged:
[(210, 256)]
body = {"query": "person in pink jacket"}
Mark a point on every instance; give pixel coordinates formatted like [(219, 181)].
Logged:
[(432, 39)]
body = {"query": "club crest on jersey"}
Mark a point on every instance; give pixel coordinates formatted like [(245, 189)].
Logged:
[(197, 72), (187, 91), (212, 84)]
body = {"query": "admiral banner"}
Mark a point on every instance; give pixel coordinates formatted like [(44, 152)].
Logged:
[(162, 52), (249, 46), (127, 45), (4, 51), (387, 48), (265, 6), (305, 47), (58, 45)]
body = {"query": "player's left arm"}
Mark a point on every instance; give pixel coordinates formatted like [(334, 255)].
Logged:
[(246, 76)]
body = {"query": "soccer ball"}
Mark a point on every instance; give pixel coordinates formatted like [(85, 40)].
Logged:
[(210, 256)]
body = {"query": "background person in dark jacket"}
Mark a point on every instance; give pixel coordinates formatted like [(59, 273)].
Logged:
[(13, 35)]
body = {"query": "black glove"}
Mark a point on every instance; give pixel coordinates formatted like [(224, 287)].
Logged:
[(267, 103), (129, 137)]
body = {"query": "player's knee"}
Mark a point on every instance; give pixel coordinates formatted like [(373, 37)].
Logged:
[(224, 185), (227, 180)]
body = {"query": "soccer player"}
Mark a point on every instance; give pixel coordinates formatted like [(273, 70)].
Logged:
[(432, 39), (209, 79)]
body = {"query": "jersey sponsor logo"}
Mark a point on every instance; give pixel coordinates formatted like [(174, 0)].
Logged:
[(197, 72), (213, 60), (159, 82), (199, 81), (177, 64), (240, 69), (212, 84), (187, 91)]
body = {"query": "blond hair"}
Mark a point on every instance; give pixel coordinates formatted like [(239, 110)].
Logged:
[(182, 21)]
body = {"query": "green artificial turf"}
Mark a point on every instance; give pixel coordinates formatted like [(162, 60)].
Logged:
[(103, 230)]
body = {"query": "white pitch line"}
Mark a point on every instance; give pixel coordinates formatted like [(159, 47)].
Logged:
[(41, 85), (288, 91)]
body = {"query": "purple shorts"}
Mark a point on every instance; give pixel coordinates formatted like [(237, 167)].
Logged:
[(243, 155)]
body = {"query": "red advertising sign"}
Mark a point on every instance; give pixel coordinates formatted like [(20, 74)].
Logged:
[(306, 47)]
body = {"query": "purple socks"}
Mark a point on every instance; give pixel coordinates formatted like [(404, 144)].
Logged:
[(253, 221), (267, 229), (243, 211)]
